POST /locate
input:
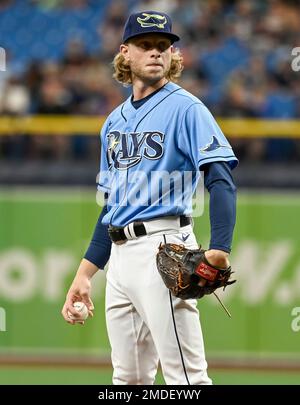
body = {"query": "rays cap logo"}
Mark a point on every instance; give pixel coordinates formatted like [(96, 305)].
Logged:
[(152, 20), (148, 22)]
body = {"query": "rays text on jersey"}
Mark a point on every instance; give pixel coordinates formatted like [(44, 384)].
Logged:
[(128, 149)]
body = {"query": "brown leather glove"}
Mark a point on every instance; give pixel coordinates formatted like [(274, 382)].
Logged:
[(187, 273)]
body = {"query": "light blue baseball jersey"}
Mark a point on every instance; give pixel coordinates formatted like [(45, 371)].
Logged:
[(150, 156)]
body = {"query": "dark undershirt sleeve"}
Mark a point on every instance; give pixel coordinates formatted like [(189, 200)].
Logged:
[(222, 205), (98, 251)]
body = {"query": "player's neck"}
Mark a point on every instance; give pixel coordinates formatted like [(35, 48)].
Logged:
[(141, 89)]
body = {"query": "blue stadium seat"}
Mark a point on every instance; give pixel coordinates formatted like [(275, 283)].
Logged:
[(28, 32)]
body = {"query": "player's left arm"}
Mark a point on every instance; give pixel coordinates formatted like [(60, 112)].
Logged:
[(204, 143), (222, 210)]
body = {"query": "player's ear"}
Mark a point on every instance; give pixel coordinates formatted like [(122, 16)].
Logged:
[(124, 50)]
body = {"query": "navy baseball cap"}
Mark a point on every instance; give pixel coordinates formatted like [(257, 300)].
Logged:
[(147, 22)]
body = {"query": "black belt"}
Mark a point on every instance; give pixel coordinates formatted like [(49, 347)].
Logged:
[(117, 235)]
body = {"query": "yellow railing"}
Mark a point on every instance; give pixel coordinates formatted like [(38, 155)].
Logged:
[(51, 125), (91, 125)]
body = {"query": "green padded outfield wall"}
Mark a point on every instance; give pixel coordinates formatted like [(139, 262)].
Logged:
[(44, 233)]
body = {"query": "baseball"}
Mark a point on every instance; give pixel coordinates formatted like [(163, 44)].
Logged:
[(82, 309)]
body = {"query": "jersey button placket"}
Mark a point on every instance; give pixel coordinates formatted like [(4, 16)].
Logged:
[(123, 174)]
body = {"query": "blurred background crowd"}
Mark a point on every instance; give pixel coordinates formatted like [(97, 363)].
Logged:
[(237, 58)]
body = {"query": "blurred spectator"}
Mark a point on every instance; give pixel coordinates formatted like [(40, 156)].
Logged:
[(165, 6), (15, 99), (75, 4), (111, 29), (47, 4), (68, 4), (5, 3)]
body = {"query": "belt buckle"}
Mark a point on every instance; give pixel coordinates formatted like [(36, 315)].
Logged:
[(113, 229)]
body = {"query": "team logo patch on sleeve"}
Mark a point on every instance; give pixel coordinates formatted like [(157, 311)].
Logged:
[(213, 145), (152, 20)]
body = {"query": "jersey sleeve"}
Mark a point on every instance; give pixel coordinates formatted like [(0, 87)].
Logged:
[(104, 174), (202, 140)]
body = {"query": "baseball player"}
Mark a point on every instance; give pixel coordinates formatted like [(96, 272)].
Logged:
[(149, 144)]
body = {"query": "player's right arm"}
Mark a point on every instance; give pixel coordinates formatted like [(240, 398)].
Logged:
[(94, 259), (80, 290)]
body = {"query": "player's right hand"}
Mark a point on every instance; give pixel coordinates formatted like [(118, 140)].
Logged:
[(79, 291)]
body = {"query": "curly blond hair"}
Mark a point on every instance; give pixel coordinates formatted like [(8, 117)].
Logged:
[(122, 71)]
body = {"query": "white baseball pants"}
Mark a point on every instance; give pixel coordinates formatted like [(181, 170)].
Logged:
[(145, 323)]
